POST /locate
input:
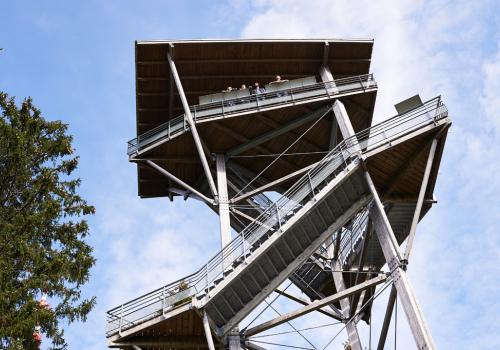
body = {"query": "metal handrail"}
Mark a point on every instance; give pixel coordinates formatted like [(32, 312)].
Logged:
[(236, 105), (174, 294)]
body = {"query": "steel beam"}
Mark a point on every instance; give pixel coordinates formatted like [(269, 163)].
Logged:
[(277, 132), (179, 181), (345, 124), (305, 302), (224, 219), (345, 305), (347, 130), (315, 305), (208, 332), (192, 125), (387, 319), (327, 77), (392, 255), (420, 200), (272, 184)]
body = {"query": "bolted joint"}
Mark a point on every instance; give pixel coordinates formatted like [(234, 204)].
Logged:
[(403, 263)]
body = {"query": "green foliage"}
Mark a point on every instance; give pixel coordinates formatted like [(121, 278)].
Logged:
[(42, 229)]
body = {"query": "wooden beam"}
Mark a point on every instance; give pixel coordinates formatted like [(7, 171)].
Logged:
[(191, 341), (315, 305), (257, 60), (282, 129), (294, 135), (242, 138), (405, 169)]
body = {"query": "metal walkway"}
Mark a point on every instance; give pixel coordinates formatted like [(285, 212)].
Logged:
[(251, 104), (330, 196)]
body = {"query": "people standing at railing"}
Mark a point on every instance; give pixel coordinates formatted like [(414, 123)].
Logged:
[(278, 80), (257, 90), (229, 89)]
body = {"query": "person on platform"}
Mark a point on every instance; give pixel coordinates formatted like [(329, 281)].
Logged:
[(278, 80), (257, 90)]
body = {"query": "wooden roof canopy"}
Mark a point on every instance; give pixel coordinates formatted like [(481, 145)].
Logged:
[(209, 66)]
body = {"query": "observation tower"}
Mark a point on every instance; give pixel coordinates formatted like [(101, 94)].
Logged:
[(308, 192)]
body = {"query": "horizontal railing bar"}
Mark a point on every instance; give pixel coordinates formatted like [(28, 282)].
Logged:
[(135, 144)]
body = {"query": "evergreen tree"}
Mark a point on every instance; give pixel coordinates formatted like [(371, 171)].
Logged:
[(42, 230)]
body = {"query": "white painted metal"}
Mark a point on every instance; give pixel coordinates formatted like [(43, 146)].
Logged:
[(224, 219), (327, 76), (347, 130), (208, 332), (179, 181), (420, 200), (345, 124), (351, 328), (392, 255), (192, 125), (316, 305), (387, 319)]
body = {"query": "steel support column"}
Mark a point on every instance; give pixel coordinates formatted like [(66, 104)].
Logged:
[(345, 125), (387, 319), (327, 77), (345, 305), (347, 130), (179, 181), (392, 255), (189, 117), (420, 200), (224, 219), (208, 332)]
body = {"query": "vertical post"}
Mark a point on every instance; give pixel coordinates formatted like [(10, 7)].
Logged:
[(347, 130), (327, 78), (345, 124), (208, 332), (234, 340), (192, 125), (224, 217), (352, 329), (420, 200), (392, 255)]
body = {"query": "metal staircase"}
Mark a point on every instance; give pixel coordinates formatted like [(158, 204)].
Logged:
[(329, 200), (251, 104)]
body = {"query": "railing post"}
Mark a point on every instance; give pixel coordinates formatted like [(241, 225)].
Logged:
[(163, 303), (311, 184), (278, 215), (121, 320), (361, 83), (207, 282)]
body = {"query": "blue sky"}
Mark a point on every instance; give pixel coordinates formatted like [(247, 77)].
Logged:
[(76, 60)]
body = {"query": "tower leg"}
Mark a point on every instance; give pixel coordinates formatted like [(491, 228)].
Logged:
[(208, 332), (345, 306), (392, 255), (224, 218)]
